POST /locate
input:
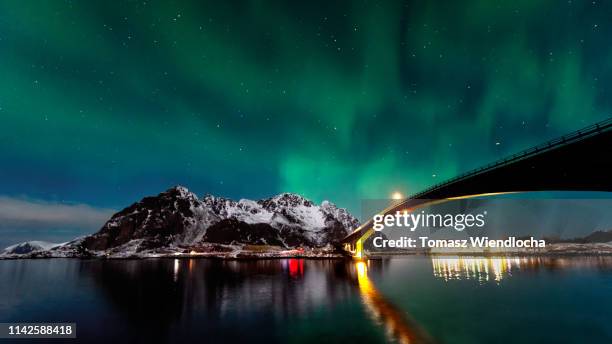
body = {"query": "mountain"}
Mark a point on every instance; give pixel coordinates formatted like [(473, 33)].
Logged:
[(176, 221), (595, 237), (599, 236), (29, 247)]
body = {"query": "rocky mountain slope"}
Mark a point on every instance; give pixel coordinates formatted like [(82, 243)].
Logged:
[(177, 221)]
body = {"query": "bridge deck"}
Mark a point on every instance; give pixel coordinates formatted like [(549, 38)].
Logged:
[(579, 161)]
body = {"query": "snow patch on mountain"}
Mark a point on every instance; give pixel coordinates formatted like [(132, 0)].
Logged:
[(29, 247)]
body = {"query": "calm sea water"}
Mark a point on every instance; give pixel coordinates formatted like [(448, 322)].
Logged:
[(404, 299)]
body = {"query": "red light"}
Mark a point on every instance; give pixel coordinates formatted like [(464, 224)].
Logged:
[(296, 267)]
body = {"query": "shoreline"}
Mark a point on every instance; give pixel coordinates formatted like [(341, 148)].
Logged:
[(377, 256)]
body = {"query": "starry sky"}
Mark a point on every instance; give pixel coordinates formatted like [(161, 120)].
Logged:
[(103, 102)]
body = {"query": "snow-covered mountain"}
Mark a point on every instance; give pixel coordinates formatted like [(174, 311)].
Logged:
[(29, 247), (177, 219)]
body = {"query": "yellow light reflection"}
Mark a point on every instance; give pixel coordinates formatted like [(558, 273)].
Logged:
[(176, 270), (397, 324), (478, 268)]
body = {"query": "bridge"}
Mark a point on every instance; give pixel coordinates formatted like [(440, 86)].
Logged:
[(578, 161)]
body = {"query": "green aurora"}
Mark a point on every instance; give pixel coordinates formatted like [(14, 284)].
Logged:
[(103, 102)]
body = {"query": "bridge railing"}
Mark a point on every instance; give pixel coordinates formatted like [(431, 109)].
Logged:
[(549, 145)]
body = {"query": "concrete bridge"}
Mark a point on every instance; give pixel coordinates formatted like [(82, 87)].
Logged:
[(578, 161)]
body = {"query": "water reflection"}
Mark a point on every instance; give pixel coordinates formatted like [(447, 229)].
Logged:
[(398, 324), (207, 296), (294, 300), (479, 268), (484, 269), (207, 291)]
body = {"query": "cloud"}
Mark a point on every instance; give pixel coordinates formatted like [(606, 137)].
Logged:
[(33, 214)]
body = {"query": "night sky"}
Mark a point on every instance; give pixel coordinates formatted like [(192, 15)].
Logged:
[(103, 102)]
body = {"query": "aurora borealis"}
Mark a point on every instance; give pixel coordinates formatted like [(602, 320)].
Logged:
[(104, 102)]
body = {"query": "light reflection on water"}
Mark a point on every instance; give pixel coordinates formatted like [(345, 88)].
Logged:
[(401, 299), (398, 324), (485, 269), (478, 268)]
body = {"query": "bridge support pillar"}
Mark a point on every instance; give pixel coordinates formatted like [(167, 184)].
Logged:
[(359, 253)]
